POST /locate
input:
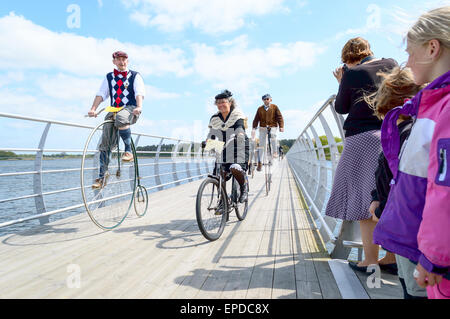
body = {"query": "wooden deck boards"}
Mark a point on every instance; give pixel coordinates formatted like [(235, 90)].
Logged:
[(275, 252)]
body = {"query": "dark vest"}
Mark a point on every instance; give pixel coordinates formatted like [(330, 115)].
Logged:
[(121, 90)]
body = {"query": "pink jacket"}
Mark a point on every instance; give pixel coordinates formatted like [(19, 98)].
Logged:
[(434, 232), (416, 219)]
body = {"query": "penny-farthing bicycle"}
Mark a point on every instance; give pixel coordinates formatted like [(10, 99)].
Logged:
[(267, 162), (109, 199)]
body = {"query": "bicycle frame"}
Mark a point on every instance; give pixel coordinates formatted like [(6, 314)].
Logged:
[(218, 166)]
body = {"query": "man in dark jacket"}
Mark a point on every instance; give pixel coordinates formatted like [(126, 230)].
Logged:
[(269, 117)]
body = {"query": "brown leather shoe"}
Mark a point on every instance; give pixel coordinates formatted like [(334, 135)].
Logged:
[(127, 157), (98, 183), (259, 168)]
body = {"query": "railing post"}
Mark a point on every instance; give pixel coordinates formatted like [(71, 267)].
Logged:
[(188, 162), (198, 158), (339, 120), (156, 169), (174, 163), (37, 178), (319, 195), (331, 142)]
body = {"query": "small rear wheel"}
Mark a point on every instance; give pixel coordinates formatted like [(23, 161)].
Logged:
[(140, 201)]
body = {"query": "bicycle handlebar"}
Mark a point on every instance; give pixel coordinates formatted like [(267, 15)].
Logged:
[(97, 112)]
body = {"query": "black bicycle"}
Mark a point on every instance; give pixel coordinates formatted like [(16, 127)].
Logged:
[(213, 205)]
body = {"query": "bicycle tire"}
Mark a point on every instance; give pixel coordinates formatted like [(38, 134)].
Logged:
[(211, 228), (140, 201), (266, 174), (241, 209), (105, 205)]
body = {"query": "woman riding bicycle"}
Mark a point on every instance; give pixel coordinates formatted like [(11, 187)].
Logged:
[(226, 123)]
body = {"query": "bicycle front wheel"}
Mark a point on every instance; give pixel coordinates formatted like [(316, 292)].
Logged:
[(266, 174), (107, 184), (211, 209)]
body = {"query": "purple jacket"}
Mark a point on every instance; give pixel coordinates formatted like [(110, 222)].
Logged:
[(399, 225)]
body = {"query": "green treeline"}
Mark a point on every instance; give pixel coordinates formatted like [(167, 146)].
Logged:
[(287, 144), (7, 155), (324, 141), (166, 150)]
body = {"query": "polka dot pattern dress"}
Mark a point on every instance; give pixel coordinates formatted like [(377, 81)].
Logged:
[(355, 177)]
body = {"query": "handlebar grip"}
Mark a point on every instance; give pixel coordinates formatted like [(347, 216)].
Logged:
[(101, 110)]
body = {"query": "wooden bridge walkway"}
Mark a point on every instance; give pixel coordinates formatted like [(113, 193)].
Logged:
[(276, 252)]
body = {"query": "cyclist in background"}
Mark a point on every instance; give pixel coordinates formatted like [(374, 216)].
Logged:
[(280, 152), (267, 114)]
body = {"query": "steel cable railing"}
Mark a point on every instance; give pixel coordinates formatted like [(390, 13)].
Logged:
[(313, 164), (184, 162)]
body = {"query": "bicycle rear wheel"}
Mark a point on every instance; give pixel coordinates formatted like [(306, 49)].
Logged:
[(140, 201), (211, 209), (241, 208), (108, 202)]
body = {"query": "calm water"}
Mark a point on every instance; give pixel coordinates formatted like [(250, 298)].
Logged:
[(16, 186)]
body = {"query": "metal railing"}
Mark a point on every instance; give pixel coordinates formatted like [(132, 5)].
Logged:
[(181, 161), (313, 165)]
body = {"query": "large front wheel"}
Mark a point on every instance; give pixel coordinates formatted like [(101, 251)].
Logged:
[(108, 199), (211, 209)]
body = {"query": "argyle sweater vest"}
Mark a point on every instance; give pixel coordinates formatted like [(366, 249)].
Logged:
[(121, 89)]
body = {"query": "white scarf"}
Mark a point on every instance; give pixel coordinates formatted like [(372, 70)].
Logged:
[(217, 124)]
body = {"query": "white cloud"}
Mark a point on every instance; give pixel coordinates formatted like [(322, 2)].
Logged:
[(31, 46), (11, 77), (295, 120), (400, 20), (154, 93), (244, 70), (65, 87), (213, 16), (392, 19)]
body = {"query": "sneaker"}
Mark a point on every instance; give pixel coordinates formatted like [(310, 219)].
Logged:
[(244, 193), (98, 183), (259, 168), (127, 157)]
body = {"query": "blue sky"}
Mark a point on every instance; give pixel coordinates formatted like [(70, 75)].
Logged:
[(55, 54)]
